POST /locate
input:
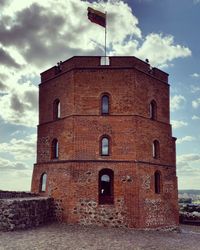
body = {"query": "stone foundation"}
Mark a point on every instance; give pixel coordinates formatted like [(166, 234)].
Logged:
[(27, 212), (90, 213)]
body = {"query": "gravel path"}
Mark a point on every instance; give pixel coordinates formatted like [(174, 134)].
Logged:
[(76, 237)]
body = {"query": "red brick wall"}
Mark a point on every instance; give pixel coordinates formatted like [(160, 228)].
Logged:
[(131, 92), (74, 185), (58, 88), (72, 179), (62, 130)]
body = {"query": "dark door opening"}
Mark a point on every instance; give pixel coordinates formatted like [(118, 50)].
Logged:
[(106, 186)]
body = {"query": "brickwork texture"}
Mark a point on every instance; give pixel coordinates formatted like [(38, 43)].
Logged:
[(139, 200)]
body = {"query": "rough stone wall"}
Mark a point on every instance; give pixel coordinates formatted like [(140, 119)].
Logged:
[(14, 194), (90, 213), (158, 210), (22, 213)]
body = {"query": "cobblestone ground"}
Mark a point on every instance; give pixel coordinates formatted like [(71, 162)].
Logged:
[(62, 236)]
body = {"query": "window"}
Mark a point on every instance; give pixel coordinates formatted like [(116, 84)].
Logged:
[(105, 145), (106, 189), (56, 109), (105, 105), (43, 181), (153, 110), (54, 153), (156, 149), (157, 179)]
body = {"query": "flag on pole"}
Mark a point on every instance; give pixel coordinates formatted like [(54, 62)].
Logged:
[(97, 17)]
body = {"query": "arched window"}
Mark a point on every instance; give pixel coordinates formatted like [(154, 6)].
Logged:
[(106, 187), (43, 181), (105, 145), (153, 110), (105, 105), (156, 149), (157, 179), (54, 152), (56, 109)]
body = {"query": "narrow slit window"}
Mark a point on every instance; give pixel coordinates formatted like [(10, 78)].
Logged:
[(105, 105), (153, 110), (55, 150), (156, 149), (105, 146), (56, 109), (157, 178), (43, 181)]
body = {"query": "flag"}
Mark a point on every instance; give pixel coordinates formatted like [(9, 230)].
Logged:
[(97, 17)]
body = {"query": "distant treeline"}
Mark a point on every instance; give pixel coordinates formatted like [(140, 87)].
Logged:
[(185, 200), (189, 191)]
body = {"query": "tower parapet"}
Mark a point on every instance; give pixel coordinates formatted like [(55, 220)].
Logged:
[(81, 62)]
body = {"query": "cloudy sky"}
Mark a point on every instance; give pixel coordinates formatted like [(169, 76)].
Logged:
[(35, 35)]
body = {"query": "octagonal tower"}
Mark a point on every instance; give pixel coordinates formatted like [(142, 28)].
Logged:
[(105, 150)]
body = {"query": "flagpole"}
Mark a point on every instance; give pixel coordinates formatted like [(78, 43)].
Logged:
[(105, 35), (99, 17)]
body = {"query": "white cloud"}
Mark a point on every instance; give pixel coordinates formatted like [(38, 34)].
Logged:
[(166, 65), (16, 168), (160, 49), (186, 138), (129, 48), (196, 103), (19, 105), (7, 165), (35, 35), (195, 88), (178, 124), (196, 1), (177, 102), (188, 158), (188, 165), (14, 175), (195, 117), (19, 132), (20, 149), (195, 75)]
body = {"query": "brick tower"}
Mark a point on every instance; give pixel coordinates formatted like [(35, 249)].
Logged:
[(105, 150)]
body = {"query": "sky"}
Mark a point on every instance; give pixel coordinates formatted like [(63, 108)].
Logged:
[(35, 35)]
